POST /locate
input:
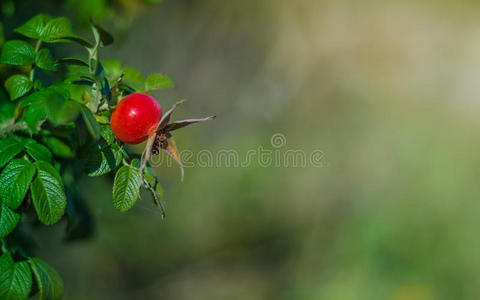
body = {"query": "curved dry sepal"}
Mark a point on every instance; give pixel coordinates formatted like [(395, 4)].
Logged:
[(164, 140), (166, 117), (146, 154), (179, 124), (171, 149)]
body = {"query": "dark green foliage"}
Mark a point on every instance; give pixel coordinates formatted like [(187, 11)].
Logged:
[(18, 85), (15, 278), (18, 53), (158, 81), (44, 60), (50, 284), (48, 195), (38, 151), (103, 161), (51, 135), (15, 180), (125, 188), (92, 124), (8, 149), (8, 219)]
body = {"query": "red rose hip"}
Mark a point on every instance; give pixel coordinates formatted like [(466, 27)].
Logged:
[(135, 118)]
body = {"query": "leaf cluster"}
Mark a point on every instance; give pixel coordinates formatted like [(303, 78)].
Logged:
[(55, 131)]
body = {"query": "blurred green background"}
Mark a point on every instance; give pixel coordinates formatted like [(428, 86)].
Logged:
[(387, 90)]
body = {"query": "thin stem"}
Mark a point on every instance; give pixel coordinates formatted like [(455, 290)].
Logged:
[(3, 246), (158, 202), (93, 56), (37, 48), (92, 68)]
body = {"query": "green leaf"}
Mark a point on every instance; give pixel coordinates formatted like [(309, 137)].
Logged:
[(92, 124), (107, 134), (58, 147), (17, 86), (6, 262), (125, 88), (149, 176), (104, 161), (63, 131), (7, 108), (72, 61), (48, 280), (35, 98), (9, 148), (100, 71), (60, 113), (56, 28), (34, 115), (48, 194), (107, 138), (136, 163), (18, 53), (15, 180), (59, 108), (106, 90), (34, 27), (102, 119), (44, 60), (50, 30), (113, 68), (8, 220), (37, 84), (38, 151), (55, 105), (61, 88), (74, 72), (158, 81), (126, 188), (134, 78), (54, 102), (100, 33), (60, 91), (72, 38), (16, 282)]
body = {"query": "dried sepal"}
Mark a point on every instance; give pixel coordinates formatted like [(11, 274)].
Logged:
[(166, 117), (162, 138), (171, 149), (146, 154), (180, 124)]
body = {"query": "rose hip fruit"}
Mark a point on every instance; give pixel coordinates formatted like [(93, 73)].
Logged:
[(135, 118)]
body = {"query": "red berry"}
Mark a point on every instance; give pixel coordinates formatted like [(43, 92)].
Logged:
[(135, 117)]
